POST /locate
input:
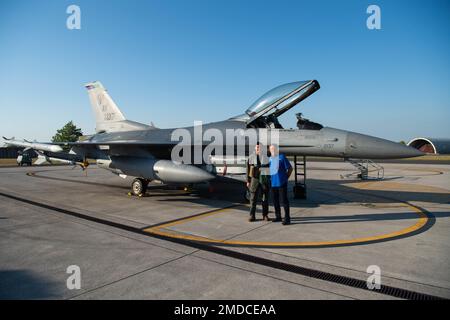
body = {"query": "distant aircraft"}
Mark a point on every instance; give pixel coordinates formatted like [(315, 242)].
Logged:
[(129, 148)]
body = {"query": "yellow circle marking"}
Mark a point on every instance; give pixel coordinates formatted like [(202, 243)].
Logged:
[(422, 220)]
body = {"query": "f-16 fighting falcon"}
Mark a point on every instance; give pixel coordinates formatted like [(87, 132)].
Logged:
[(147, 153)]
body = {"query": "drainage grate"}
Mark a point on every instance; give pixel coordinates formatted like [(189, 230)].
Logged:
[(316, 274)]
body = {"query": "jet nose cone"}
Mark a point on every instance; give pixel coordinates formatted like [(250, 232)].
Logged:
[(412, 152), (368, 147)]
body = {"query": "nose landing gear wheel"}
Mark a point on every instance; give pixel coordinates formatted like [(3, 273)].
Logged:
[(139, 187)]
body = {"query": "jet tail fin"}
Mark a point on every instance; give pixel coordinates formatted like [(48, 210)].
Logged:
[(108, 117), (105, 109)]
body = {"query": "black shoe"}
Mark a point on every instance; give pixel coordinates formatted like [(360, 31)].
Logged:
[(266, 218), (286, 222), (277, 219), (251, 219)]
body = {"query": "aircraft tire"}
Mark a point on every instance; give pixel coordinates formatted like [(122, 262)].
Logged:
[(139, 187)]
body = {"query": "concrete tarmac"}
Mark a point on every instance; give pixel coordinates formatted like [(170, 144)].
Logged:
[(173, 244)]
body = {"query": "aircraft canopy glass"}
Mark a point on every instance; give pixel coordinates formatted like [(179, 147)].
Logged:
[(274, 95)]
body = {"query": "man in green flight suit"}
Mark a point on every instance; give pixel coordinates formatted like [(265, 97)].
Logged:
[(258, 181)]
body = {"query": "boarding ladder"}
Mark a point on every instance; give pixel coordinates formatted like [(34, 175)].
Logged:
[(366, 170), (300, 177)]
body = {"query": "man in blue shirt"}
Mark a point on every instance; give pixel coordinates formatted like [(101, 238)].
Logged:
[(280, 170)]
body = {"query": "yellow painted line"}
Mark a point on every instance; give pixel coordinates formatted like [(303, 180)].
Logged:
[(158, 230), (170, 224)]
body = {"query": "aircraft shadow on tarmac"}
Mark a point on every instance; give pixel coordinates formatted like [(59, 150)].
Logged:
[(24, 284), (340, 193), (323, 192), (320, 192), (362, 218)]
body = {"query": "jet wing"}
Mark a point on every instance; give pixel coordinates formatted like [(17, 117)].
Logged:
[(102, 149), (31, 145)]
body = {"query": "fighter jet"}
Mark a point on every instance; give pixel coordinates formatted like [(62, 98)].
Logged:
[(27, 145), (47, 153), (129, 148)]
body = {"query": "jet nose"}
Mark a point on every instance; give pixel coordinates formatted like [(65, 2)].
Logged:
[(413, 152), (368, 147)]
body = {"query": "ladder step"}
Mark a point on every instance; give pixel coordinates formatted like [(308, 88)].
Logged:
[(365, 167)]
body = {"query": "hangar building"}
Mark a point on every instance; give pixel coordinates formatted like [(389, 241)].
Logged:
[(431, 145)]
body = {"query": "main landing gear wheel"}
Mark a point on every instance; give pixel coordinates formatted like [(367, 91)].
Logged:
[(139, 187)]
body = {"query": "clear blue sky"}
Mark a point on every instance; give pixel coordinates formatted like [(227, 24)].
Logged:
[(173, 62)]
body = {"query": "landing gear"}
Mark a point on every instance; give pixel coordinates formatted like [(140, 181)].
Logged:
[(139, 187)]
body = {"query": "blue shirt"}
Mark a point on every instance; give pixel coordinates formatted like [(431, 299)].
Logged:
[(279, 165)]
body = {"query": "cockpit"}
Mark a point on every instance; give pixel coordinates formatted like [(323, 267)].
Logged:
[(264, 112), (272, 96)]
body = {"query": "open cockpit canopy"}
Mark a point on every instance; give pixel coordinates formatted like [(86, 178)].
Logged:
[(280, 99)]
